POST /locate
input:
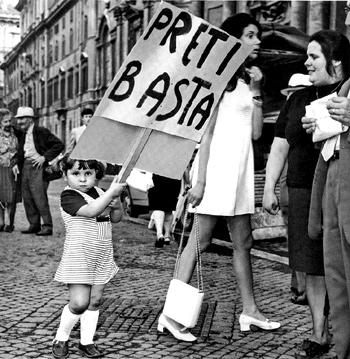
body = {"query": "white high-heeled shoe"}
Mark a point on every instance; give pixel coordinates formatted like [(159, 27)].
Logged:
[(245, 321), (178, 331)]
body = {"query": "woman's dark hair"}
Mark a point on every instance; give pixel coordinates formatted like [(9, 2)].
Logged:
[(235, 25), (67, 163), (334, 46)]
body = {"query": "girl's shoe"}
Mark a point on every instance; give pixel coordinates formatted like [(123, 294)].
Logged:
[(90, 351), (179, 332), (245, 322), (159, 242), (60, 349)]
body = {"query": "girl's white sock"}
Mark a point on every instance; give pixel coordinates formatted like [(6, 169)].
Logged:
[(88, 324), (68, 320)]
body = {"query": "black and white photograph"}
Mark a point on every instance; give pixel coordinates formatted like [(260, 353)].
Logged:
[(208, 142)]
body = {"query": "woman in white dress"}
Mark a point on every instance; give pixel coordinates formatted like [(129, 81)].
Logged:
[(224, 178)]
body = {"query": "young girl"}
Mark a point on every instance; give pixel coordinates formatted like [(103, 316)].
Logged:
[(87, 262)]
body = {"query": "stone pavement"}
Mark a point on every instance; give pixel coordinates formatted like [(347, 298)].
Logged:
[(31, 302)]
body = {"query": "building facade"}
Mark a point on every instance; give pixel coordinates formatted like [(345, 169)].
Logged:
[(70, 50), (9, 36)]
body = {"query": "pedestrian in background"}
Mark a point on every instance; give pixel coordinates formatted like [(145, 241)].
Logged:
[(325, 55), (330, 202), (76, 132), (298, 280), (162, 201), (39, 146), (224, 178), (87, 263), (9, 171)]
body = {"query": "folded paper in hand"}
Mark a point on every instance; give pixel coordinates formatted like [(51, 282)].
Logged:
[(326, 127)]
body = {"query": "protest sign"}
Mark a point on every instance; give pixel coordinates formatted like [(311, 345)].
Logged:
[(169, 84)]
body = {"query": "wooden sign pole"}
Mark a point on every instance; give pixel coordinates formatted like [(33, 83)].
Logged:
[(140, 142)]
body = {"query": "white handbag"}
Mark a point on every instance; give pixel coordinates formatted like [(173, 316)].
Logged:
[(183, 302), (141, 180)]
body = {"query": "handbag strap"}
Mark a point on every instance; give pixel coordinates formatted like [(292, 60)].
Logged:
[(198, 252)]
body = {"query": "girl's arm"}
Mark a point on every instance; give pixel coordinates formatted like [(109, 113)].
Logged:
[(256, 77), (274, 167), (257, 119), (116, 213), (96, 207), (196, 193)]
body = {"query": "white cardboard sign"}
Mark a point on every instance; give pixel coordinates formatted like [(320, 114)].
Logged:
[(174, 76)]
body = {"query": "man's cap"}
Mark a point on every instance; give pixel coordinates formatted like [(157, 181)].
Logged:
[(87, 111), (24, 112), (296, 82)]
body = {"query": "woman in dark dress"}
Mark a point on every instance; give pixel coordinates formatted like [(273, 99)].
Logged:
[(162, 201), (291, 141)]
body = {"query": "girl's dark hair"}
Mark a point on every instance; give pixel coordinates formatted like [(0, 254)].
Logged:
[(235, 25), (67, 163), (334, 46)]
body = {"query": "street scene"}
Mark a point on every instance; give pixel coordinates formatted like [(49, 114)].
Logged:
[(31, 302), (174, 179)]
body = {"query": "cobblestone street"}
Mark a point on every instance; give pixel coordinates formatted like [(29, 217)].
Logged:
[(31, 302)]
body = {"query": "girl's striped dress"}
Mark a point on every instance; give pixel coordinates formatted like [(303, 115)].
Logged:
[(88, 251)]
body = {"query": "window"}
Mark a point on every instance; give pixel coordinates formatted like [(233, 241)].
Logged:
[(71, 15), (63, 46), (30, 97), (42, 93), (49, 93), (50, 55), (114, 51), (63, 87), (43, 56), (77, 80), (71, 39), (104, 58), (56, 29), (70, 84), (56, 50), (84, 79), (55, 88), (63, 22), (86, 24)]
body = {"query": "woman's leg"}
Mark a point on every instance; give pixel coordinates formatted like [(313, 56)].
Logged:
[(206, 224), (241, 237), (186, 266), (316, 294), (89, 319), (168, 220), (158, 218)]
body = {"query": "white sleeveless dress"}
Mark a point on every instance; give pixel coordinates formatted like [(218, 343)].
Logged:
[(229, 187), (88, 251)]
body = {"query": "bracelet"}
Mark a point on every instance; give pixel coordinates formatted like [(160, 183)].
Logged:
[(257, 103)]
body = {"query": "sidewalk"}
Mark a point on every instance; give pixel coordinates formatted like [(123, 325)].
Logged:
[(31, 302)]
